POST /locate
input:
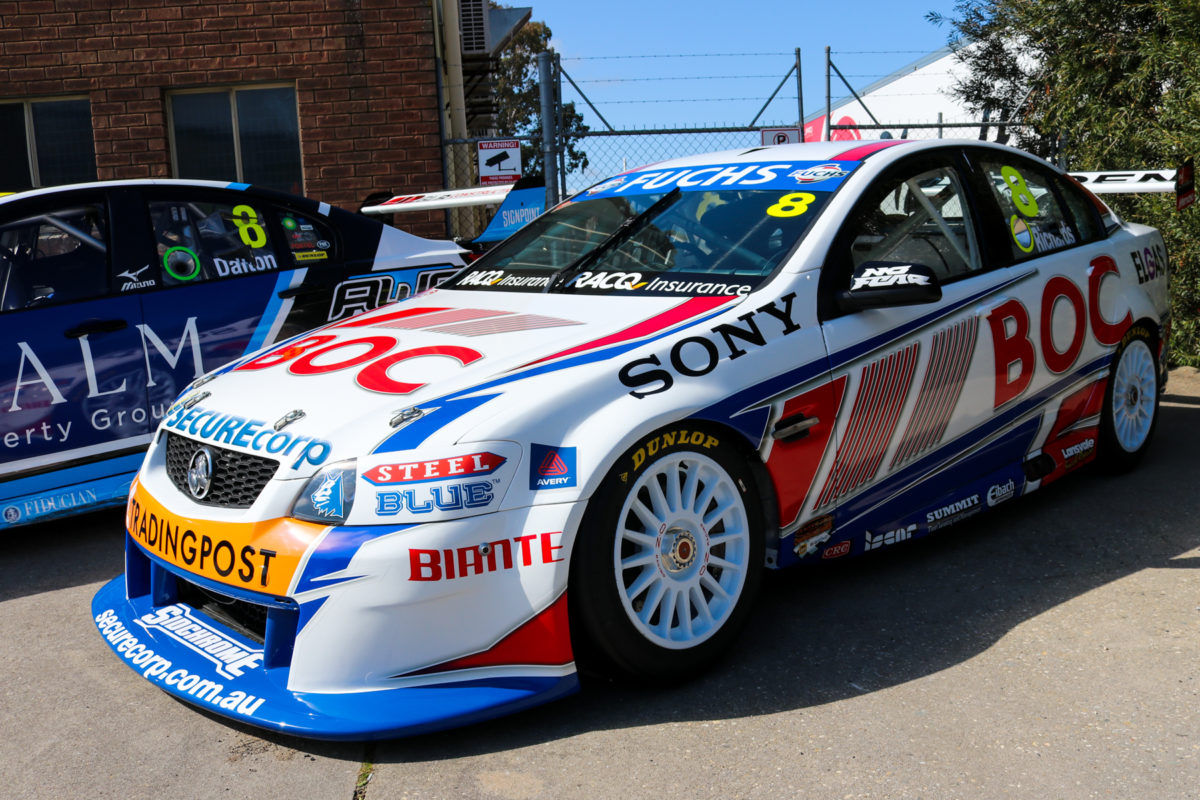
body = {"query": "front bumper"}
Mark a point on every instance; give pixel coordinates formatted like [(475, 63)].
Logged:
[(259, 696), (367, 637)]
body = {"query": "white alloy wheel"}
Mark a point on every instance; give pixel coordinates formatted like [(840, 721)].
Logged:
[(1134, 396), (681, 554)]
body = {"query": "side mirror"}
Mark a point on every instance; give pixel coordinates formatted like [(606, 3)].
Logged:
[(882, 284)]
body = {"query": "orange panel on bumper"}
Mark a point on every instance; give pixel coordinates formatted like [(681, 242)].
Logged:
[(256, 556)]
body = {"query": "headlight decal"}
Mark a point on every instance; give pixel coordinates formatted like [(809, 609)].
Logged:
[(328, 496)]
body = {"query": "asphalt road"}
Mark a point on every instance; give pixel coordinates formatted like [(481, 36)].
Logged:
[(1049, 649)]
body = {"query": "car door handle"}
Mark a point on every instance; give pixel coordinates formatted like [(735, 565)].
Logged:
[(793, 427), (91, 326)]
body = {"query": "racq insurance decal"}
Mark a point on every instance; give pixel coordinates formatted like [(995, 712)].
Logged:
[(823, 176)]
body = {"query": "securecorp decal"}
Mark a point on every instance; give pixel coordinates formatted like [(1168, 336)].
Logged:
[(252, 434), (257, 556)]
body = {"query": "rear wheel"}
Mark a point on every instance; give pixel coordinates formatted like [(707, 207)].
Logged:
[(669, 557), (1130, 404)]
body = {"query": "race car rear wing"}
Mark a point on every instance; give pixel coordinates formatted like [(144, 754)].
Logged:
[(449, 198), (519, 202), (1134, 181)]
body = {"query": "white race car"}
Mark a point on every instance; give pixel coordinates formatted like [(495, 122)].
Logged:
[(589, 443)]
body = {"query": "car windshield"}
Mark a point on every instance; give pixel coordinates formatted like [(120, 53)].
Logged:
[(660, 235)]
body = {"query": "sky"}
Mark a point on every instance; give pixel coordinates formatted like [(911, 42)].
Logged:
[(651, 63)]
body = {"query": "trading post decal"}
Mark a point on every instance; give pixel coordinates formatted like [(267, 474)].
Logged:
[(256, 556)]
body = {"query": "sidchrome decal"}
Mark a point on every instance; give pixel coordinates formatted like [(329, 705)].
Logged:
[(949, 359), (883, 388)]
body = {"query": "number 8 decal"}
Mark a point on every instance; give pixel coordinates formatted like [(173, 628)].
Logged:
[(1022, 198), (246, 220), (791, 205)]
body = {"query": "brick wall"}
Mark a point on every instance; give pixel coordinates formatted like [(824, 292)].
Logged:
[(364, 74)]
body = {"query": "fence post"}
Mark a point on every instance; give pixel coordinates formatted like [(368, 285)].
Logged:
[(799, 96), (828, 100), (549, 134)]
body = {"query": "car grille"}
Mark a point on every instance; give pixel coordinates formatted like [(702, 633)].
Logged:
[(237, 479), (248, 619)]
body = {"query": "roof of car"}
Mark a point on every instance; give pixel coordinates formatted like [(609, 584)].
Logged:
[(70, 187)]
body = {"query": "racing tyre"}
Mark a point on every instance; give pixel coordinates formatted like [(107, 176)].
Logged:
[(668, 559), (1130, 403)]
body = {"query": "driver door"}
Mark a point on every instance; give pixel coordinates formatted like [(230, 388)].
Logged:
[(916, 426)]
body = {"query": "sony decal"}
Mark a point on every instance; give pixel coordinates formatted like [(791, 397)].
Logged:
[(695, 356)]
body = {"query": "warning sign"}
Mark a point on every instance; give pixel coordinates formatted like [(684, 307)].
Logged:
[(499, 161)]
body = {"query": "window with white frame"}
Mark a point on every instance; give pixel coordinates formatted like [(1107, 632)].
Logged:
[(247, 134)]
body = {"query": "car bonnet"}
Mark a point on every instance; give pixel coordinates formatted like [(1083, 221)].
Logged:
[(343, 390)]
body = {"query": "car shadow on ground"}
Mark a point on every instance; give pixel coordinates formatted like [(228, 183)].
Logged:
[(817, 635), (62, 553), (847, 628)]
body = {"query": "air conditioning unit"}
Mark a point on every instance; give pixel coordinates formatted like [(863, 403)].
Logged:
[(473, 27)]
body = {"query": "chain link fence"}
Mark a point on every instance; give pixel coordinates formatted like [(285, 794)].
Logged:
[(612, 152)]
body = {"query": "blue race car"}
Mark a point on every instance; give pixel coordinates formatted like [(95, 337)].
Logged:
[(114, 296)]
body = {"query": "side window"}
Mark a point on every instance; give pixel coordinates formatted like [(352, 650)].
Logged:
[(202, 240), (309, 240), (919, 218), (1082, 210), (55, 257), (1036, 221)]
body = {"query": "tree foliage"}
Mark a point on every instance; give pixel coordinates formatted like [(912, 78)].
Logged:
[(518, 93), (1103, 85)]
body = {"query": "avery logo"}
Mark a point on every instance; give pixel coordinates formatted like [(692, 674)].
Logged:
[(231, 657), (436, 470), (551, 467)]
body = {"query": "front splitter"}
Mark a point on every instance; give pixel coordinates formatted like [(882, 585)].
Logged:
[(234, 683)]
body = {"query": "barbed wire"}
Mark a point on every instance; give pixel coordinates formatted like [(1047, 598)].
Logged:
[(793, 98), (678, 78), (744, 55), (738, 77), (675, 55)]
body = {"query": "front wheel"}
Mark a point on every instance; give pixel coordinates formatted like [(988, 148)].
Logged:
[(1130, 404), (669, 556)]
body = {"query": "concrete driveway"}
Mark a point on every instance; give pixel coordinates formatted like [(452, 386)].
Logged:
[(1048, 649)]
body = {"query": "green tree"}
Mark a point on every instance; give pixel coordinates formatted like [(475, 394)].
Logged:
[(1114, 84), (518, 97)]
